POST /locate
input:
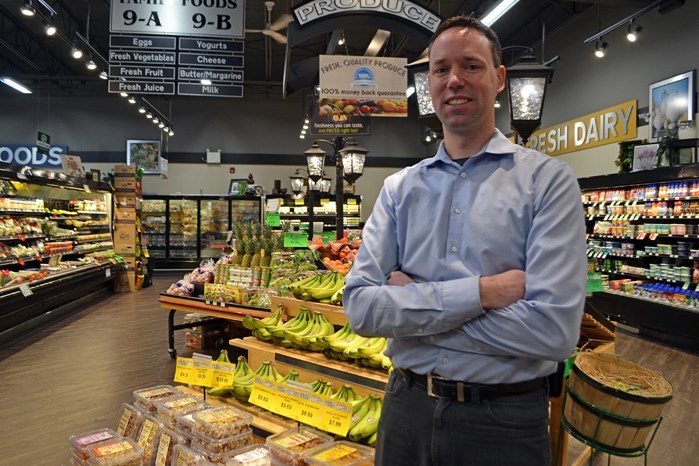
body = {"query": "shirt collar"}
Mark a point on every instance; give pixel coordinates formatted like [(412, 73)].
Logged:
[(498, 144)]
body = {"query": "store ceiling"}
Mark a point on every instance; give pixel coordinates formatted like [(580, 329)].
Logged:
[(43, 63)]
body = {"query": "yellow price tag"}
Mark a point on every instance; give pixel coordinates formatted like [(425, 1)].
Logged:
[(299, 201), (336, 417), (202, 374), (324, 201), (222, 373), (263, 394), (351, 201), (183, 370)]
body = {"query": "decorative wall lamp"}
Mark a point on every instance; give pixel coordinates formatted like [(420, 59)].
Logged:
[(297, 182), (526, 87), (349, 160)]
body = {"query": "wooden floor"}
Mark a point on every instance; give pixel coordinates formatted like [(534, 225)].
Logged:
[(73, 376)]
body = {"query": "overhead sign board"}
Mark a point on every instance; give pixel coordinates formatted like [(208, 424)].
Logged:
[(218, 18), (211, 45), (142, 42), (218, 60), (141, 87), (211, 90), (197, 74), (149, 72), (154, 58)]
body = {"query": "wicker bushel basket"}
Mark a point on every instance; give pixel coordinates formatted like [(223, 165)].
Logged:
[(614, 403)]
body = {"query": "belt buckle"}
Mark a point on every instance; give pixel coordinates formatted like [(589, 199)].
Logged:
[(430, 391)]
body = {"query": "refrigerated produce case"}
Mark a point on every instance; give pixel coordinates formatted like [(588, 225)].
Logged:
[(49, 222), (181, 230)]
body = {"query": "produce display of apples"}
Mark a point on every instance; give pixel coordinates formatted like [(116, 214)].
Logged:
[(336, 255)]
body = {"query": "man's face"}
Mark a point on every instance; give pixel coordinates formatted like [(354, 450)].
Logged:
[(464, 81)]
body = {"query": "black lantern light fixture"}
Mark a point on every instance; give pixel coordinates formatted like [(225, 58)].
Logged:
[(526, 87), (349, 160), (353, 158), (297, 182)]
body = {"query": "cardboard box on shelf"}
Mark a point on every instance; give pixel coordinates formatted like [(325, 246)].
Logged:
[(125, 201), (125, 169), (125, 214), (125, 184), (125, 234), (125, 282), (125, 249)]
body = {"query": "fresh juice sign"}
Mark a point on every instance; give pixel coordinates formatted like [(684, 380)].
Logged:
[(606, 126)]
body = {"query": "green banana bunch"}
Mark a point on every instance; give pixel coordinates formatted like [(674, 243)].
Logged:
[(293, 375), (322, 387), (321, 328), (336, 298), (294, 324), (262, 334), (343, 332), (222, 390), (346, 393), (371, 347), (268, 371), (371, 440), (251, 323), (329, 285), (298, 287), (367, 419), (242, 379)]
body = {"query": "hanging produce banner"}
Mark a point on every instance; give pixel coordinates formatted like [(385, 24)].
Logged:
[(613, 124), (335, 122), (364, 86)]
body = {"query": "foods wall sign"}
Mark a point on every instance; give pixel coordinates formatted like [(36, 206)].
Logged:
[(363, 86)]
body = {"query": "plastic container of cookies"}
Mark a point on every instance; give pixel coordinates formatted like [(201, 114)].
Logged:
[(146, 398), (290, 446), (166, 441), (183, 456), (340, 453), (130, 420), (147, 437), (81, 443), (216, 447), (252, 455), (169, 409), (116, 452), (185, 422), (220, 423)]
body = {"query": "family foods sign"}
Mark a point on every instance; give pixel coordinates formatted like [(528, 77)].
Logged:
[(363, 86), (607, 126)]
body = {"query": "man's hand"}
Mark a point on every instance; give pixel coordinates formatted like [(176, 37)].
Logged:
[(501, 290), (398, 278)]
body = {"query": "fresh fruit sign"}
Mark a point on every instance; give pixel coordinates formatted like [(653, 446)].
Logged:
[(362, 86)]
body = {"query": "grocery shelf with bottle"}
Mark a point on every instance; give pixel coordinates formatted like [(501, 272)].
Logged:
[(55, 246), (643, 234)]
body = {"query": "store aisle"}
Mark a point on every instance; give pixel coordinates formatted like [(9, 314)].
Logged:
[(73, 376)]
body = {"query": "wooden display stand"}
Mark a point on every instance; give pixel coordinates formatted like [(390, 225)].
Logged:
[(596, 335)]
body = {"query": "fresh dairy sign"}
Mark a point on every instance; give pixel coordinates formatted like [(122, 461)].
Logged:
[(604, 127), (28, 155)]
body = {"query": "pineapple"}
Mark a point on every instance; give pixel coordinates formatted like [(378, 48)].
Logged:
[(267, 247), (257, 246), (239, 244), (249, 251)]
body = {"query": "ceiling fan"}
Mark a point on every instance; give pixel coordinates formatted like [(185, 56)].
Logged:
[(271, 28)]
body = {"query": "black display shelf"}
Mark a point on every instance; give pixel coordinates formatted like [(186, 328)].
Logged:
[(657, 175), (30, 305)]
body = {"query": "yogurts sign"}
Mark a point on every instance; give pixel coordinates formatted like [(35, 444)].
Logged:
[(606, 126), (369, 86)]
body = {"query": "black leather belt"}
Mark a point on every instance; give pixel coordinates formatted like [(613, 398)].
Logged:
[(440, 387)]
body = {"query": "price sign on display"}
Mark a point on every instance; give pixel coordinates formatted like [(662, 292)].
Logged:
[(183, 370), (222, 373), (202, 374), (295, 240), (315, 410), (272, 219)]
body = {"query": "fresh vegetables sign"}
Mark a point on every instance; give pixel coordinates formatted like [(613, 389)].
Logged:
[(362, 86)]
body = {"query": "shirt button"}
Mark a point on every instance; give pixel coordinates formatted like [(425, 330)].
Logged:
[(432, 338), (462, 174), (445, 359), (454, 249), (457, 210), (420, 330)]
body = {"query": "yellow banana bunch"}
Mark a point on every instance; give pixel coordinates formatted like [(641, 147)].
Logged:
[(365, 421), (251, 323), (371, 347), (319, 287), (337, 297), (222, 390), (347, 393), (293, 375), (321, 328), (242, 379), (294, 325)]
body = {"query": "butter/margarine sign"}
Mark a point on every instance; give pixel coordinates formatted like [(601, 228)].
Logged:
[(607, 126)]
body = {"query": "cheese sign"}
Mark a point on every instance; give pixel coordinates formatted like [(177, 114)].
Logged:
[(613, 124)]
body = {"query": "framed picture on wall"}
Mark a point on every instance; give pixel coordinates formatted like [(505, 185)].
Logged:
[(670, 101), (645, 157), (144, 154)]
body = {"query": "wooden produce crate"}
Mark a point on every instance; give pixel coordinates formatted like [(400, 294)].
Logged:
[(334, 314)]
